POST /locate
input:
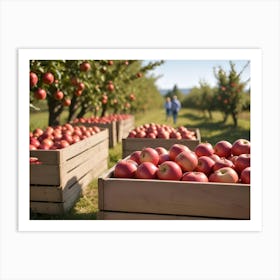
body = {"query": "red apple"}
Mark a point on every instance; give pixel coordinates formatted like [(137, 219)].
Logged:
[(33, 79), (67, 102), (224, 175), (58, 95), (176, 149), (151, 135), (163, 135), (63, 144), (78, 92), (241, 146), (163, 158), (242, 162), (222, 162), (149, 155), (245, 175), (215, 157), (146, 170), (140, 134), (176, 135), (205, 164), (85, 66), (194, 176), (47, 142), (48, 78), (233, 159), (204, 149), (125, 169), (132, 134), (161, 150), (187, 160), (223, 148), (135, 156), (37, 132), (40, 94), (81, 86), (35, 142), (110, 87), (169, 170)]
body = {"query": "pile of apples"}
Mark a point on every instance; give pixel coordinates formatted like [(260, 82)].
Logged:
[(103, 120), (161, 131), (224, 163), (59, 137)]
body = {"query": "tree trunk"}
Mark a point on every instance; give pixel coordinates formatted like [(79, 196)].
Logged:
[(210, 114), (55, 110), (82, 112), (225, 117), (234, 117), (104, 109), (72, 108)]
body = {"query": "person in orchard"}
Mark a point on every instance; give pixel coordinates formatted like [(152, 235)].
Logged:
[(175, 108), (167, 107)]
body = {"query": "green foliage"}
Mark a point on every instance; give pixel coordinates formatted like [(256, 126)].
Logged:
[(228, 96), (175, 91), (105, 86)]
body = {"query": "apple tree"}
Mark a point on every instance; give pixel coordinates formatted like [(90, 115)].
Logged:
[(230, 92), (96, 86)]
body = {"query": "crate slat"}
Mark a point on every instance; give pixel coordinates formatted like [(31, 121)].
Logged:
[(174, 197), (54, 157), (61, 194), (129, 145), (109, 215), (124, 127), (52, 205)]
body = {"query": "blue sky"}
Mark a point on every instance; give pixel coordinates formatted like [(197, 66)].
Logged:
[(188, 73)]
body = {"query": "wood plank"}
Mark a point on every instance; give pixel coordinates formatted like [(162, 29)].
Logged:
[(69, 197), (129, 145), (177, 198), (58, 175), (47, 208), (109, 215), (46, 193), (57, 157)]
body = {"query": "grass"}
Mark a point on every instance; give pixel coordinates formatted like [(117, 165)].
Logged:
[(211, 131)]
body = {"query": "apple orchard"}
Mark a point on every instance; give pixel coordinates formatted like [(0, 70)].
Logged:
[(96, 86)]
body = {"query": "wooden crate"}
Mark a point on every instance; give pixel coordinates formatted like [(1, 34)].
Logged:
[(57, 183), (112, 128), (129, 145), (124, 127), (216, 200), (110, 215)]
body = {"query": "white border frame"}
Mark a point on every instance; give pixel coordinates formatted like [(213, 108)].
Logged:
[(254, 224)]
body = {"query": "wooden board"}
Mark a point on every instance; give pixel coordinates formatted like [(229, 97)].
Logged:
[(63, 155), (109, 215), (68, 199), (124, 127), (215, 200), (54, 193), (66, 172), (129, 145)]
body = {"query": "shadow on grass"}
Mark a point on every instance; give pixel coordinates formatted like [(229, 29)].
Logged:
[(213, 131)]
